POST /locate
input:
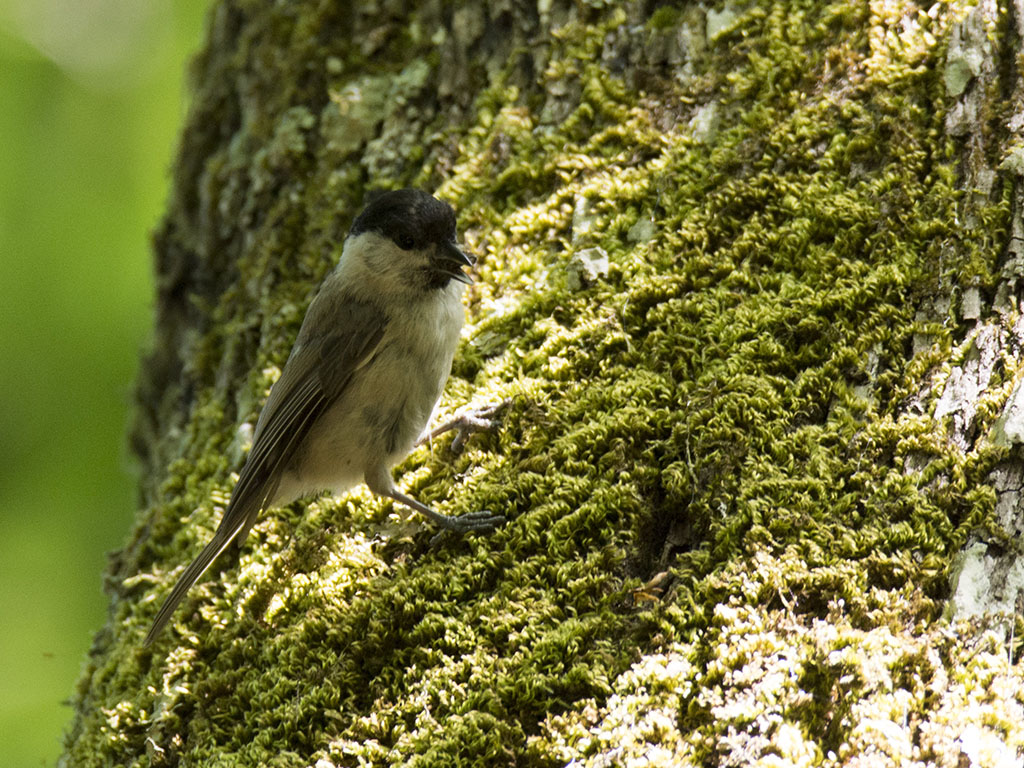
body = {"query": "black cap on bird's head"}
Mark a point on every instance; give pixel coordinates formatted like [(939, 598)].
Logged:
[(415, 220)]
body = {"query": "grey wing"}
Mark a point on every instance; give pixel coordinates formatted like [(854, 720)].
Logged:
[(337, 336)]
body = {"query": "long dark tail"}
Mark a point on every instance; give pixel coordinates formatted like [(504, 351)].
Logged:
[(221, 539)]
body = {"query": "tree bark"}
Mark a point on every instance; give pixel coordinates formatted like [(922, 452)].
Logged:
[(751, 279)]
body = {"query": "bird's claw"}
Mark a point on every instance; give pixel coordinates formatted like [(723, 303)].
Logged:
[(482, 419), (482, 521)]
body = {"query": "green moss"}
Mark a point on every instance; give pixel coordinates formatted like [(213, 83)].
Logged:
[(767, 686), (664, 18), (733, 402)]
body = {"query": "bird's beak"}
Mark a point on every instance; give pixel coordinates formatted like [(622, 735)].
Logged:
[(450, 261)]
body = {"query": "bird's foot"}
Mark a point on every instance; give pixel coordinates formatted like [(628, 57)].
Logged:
[(482, 521), (482, 419)]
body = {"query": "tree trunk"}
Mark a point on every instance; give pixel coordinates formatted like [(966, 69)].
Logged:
[(751, 278)]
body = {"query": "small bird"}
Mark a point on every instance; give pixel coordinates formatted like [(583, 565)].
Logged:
[(368, 366)]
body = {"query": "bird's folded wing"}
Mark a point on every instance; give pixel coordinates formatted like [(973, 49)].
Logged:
[(336, 339)]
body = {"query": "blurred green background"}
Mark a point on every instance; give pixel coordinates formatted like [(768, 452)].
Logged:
[(92, 98)]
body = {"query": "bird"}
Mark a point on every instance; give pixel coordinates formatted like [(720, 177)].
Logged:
[(367, 368)]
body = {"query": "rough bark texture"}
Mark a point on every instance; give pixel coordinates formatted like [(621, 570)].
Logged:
[(751, 276)]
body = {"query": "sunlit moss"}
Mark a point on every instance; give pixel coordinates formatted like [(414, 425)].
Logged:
[(768, 688)]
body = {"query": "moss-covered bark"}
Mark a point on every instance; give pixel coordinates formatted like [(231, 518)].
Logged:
[(747, 461)]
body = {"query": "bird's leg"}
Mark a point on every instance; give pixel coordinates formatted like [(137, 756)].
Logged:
[(467, 422), (481, 521), (380, 482)]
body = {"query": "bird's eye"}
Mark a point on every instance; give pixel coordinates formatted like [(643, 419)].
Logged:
[(405, 242)]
